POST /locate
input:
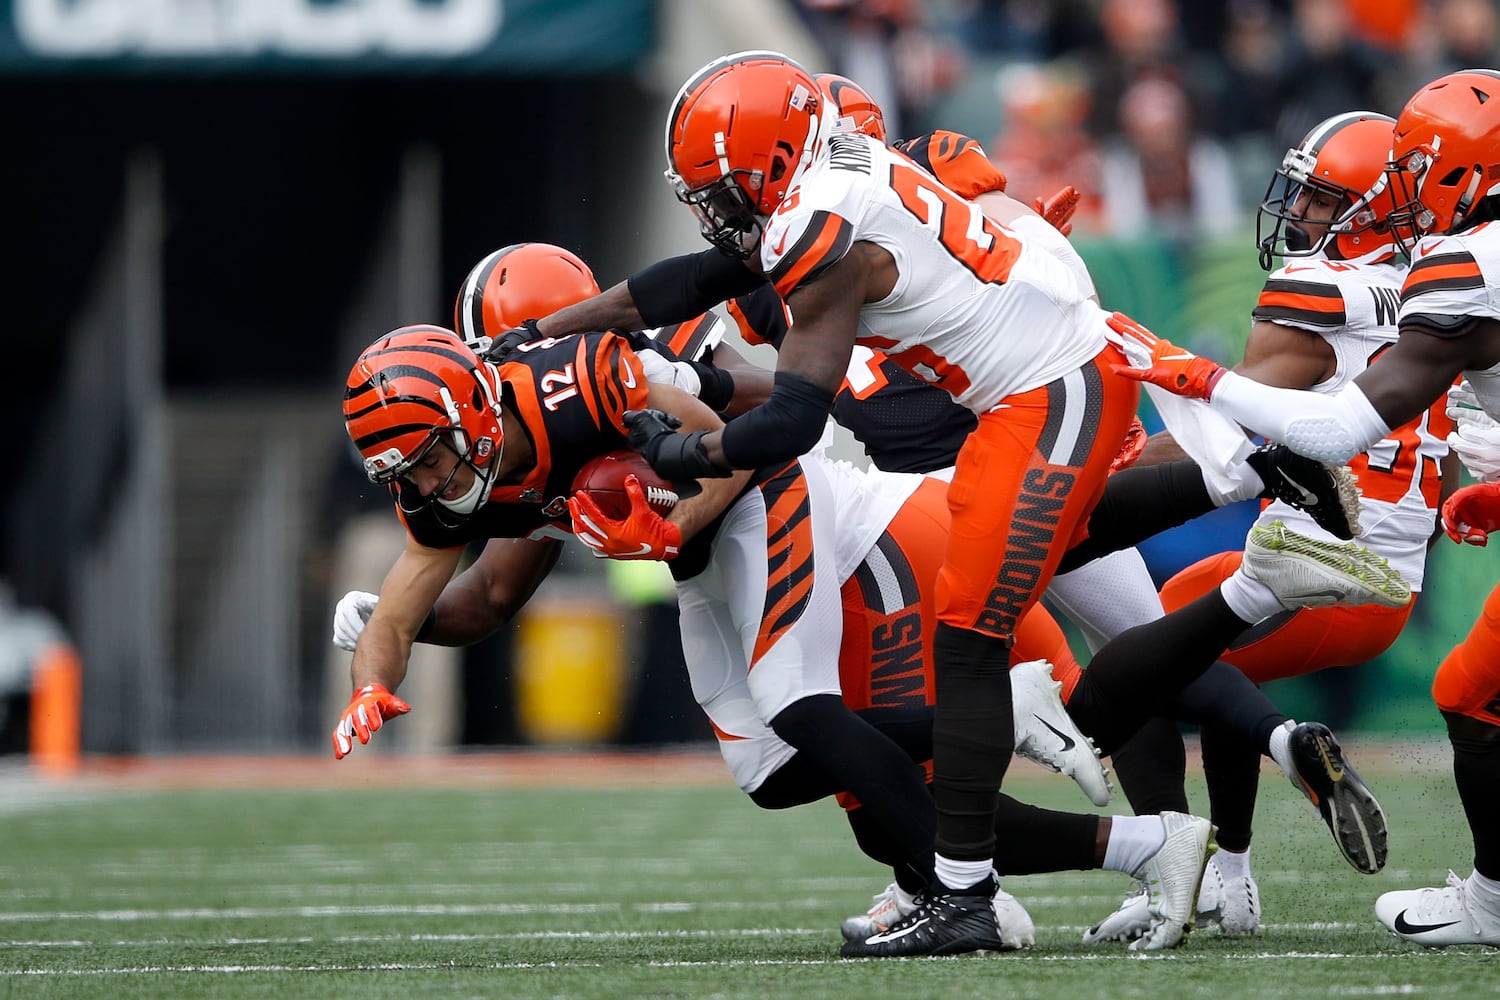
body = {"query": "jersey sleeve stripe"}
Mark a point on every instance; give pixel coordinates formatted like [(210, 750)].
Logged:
[(583, 371), (760, 316), (823, 244), (1301, 302), (1442, 272), (687, 336), (966, 169)]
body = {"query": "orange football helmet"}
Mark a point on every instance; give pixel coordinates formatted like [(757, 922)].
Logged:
[(1343, 156), (740, 133), (1445, 156), (413, 387), (516, 283), (855, 108)]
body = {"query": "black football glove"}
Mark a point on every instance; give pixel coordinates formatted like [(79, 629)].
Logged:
[(1328, 493), (507, 342), (678, 457)]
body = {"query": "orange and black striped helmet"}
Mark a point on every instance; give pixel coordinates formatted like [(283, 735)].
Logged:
[(740, 134), (411, 387), (855, 109), (516, 283)]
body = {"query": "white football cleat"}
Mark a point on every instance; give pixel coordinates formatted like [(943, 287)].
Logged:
[(1130, 921), (1016, 928), (1438, 918), (1046, 734), (1304, 572), (1232, 902), (1172, 876)]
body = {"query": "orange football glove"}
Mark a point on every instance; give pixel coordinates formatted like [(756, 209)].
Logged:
[(367, 712), (1131, 447), (1471, 513), (1058, 208), (1161, 362), (641, 534)]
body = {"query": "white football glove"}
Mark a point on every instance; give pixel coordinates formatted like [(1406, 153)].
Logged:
[(674, 373), (351, 616), (1476, 435)]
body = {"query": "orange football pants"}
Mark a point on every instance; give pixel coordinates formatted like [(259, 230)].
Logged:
[(885, 659), (1468, 681), (1310, 640), (1024, 484)]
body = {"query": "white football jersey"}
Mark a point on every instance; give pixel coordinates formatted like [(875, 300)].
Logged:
[(1354, 307), (1457, 277), (978, 308)]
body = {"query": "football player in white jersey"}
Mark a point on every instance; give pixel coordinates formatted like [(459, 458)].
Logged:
[(1320, 320), (865, 246), (1445, 176)]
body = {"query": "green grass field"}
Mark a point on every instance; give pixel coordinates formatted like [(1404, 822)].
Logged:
[(384, 883)]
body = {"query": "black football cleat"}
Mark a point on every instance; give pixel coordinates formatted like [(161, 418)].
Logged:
[(941, 924), (1327, 493), (1324, 775)]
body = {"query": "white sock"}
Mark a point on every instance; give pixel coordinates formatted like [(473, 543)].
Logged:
[(961, 874), (1232, 864), (1249, 599), (1281, 746), (1485, 892), (1132, 841)]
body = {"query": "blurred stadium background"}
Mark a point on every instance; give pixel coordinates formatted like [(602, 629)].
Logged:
[(213, 204)]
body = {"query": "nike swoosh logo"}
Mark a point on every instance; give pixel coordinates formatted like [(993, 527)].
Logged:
[(1424, 251), (1176, 357), (896, 935), (1308, 496), (1312, 595), (644, 550), (1403, 927), (1068, 742), (780, 244)]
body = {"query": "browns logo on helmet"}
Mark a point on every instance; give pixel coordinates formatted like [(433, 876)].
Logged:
[(1445, 153), (516, 283), (855, 108), (1343, 156), (414, 387), (740, 134)]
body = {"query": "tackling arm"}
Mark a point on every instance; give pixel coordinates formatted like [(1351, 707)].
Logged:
[(810, 366), (670, 291), (693, 514)]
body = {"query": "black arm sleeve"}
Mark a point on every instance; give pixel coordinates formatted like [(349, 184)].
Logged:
[(678, 288), (781, 428)]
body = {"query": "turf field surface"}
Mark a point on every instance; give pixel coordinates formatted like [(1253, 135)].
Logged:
[(596, 876)]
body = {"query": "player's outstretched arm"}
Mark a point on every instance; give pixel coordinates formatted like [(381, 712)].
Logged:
[(380, 658), (670, 291)]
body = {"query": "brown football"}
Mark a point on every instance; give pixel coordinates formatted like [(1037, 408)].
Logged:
[(603, 479)]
